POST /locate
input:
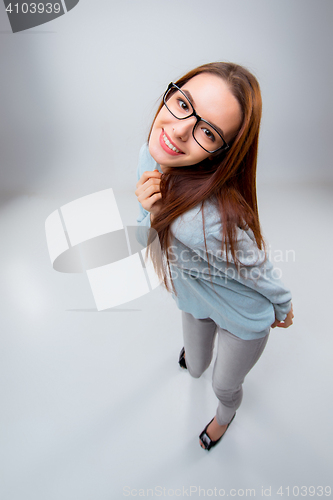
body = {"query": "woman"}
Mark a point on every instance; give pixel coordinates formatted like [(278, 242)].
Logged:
[(197, 190)]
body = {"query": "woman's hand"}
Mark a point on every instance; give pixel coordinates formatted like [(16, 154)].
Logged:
[(287, 321), (148, 191)]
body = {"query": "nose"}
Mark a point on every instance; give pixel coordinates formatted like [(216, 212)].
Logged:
[(183, 128)]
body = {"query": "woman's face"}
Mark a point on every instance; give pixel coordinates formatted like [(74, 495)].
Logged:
[(214, 102)]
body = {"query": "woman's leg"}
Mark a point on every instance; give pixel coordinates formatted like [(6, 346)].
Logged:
[(235, 358), (199, 336)]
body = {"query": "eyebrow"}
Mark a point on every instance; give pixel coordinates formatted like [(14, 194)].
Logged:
[(190, 98)]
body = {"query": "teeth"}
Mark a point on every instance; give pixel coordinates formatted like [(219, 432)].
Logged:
[(168, 143)]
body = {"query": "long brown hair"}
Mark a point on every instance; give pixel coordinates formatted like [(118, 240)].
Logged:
[(229, 177)]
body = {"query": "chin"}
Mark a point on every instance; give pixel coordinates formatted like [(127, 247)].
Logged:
[(159, 156)]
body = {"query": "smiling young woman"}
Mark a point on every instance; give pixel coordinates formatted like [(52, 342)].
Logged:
[(197, 190)]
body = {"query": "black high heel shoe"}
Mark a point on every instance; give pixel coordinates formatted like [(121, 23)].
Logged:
[(181, 359), (205, 439)]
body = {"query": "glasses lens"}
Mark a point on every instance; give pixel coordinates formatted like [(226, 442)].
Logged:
[(178, 104), (207, 136)]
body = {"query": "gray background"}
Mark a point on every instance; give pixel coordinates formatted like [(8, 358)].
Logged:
[(93, 402), (76, 102)]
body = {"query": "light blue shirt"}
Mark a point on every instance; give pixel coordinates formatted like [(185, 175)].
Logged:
[(244, 302)]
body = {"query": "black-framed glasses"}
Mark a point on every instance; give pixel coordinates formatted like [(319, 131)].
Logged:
[(204, 133)]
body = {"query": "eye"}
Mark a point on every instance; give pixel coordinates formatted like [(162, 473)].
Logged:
[(209, 134), (183, 104)]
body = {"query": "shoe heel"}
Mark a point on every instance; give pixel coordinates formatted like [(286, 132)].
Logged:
[(181, 359)]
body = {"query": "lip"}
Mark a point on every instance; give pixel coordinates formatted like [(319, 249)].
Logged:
[(165, 147)]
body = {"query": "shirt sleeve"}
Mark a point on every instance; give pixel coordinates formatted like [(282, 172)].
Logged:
[(146, 162), (265, 279), (144, 217)]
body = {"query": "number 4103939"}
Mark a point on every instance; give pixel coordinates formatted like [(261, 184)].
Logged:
[(34, 8), (303, 491)]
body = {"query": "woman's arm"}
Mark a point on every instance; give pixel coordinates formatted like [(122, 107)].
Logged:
[(255, 271), (147, 186)]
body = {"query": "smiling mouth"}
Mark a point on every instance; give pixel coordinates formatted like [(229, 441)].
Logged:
[(170, 145)]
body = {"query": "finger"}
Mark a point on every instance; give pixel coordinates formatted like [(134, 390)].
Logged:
[(150, 182), (155, 197), (148, 192), (148, 197), (289, 320), (151, 173), (284, 324), (152, 200), (148, 175)]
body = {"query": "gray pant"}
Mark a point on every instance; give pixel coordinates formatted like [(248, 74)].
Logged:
[(235, 358)]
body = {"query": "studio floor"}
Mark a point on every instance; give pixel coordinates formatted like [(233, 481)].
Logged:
[(95, 407)]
